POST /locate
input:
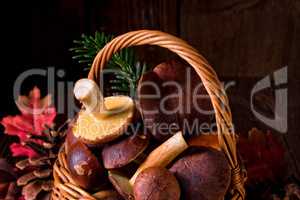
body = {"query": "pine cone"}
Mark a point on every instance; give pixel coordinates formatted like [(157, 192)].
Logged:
[(8, 185), (292, 192), (37, 180)]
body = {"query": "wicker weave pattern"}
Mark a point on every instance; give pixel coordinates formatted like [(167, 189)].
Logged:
[(66, 188)]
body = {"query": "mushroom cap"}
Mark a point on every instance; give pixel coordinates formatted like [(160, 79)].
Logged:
[(150, 92), (210, 140), (179, 98), (99, 128), (108, 195), (70, 138), (121, 153), (85, 168), (203, 175), (156, 183)]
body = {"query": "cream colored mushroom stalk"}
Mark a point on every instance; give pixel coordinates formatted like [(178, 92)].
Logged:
[(163, 154), (102, 119)]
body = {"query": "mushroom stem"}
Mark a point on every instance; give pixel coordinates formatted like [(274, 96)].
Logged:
[(89, 94), (121, 184), (163, 155)]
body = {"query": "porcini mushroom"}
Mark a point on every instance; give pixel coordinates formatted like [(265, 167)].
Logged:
[(104, 119), (156, 183), (107, 195), (85, 168), (70, 138), (202, 174), (121, 153), (206, 140), (121, 184), (150, 92), (193, 102), (176, 93), (163, 154), (159, 157)]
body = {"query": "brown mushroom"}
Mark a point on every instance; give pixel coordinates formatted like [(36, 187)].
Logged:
[(120, 153), (206, 140), (121, 184), (156, 183), (191, 108), (159, 157), (182, 95), (204, 174), (85, 168), (104, 119), (150, 93), (107, 195), (70, 138), (163, 154)]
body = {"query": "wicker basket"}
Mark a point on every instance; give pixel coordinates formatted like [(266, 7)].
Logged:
[(66, 188)]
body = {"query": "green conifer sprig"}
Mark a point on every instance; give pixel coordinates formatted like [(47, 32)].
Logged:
[(128, 69)]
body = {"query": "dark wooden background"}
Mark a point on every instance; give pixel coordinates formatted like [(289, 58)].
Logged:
[(244, 40)]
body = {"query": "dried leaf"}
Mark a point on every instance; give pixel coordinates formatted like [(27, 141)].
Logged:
[(36, 115), (22, 150), (263, 156)]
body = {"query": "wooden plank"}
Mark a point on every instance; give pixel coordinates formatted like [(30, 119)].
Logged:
[(292, 55), (247, 39)]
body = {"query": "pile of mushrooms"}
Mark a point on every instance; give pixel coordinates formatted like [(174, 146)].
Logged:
[(108, 159)]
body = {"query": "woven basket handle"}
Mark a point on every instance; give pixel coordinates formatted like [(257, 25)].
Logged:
[(208, 76)]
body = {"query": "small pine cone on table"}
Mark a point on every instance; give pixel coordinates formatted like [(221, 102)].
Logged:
[(37, 181)]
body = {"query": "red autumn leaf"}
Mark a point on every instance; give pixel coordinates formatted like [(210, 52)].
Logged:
[(36, 115), (263, 156), (21, 150)]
